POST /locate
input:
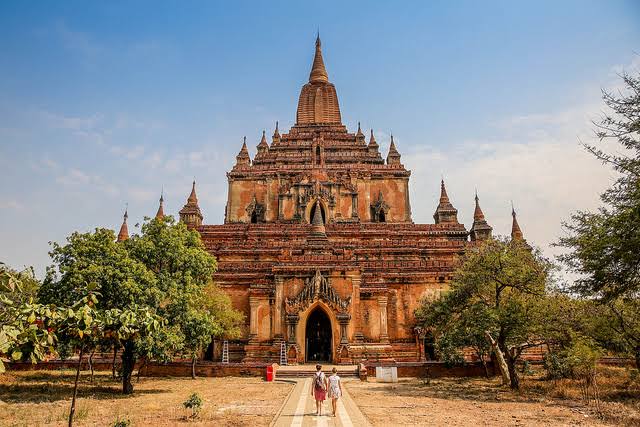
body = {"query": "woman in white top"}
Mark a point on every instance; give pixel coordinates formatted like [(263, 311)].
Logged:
[(335, 389)]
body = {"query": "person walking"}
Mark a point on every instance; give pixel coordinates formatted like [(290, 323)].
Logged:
[(319, 388), (335, 389)]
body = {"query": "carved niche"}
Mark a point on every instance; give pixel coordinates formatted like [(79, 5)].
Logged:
[(317, 288), (255, 210), (379, 209)]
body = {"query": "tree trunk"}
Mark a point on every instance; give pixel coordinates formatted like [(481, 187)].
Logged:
[(128, 363), (504, 369), (638, 357), (484, 365), (91, 364), (193, 367), (72, 411), (113, 363), (513, 374)]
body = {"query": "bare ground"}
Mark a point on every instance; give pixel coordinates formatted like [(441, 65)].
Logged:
[(42, 398), (478, 401)]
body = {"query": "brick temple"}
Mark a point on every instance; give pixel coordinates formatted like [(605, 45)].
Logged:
[(318, 247)]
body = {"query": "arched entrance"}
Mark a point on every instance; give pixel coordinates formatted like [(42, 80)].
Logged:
[(318, 336)]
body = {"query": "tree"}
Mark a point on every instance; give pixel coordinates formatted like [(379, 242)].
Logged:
[(604, 246), (27, 328), (96, 262), (495, 292), (184, 270), (163, 271), (209, 314)]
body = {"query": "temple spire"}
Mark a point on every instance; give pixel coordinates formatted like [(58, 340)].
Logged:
[(318, 71), (190, 213), (393, 158), (276, 133), (444, 197), (243, 156), (160, 213), (124, 230), (263, 146), (372, 141), (478, 215), (516, 232), (193, 198), (480, 230), (445, 212)]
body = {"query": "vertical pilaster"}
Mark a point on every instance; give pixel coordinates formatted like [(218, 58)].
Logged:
[(356, 313), (292, 323), (408, 201), (343, 319), (382, 306), (278, 307), (354, 205), (254, 304)]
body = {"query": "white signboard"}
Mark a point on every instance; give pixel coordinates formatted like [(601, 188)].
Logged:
[(387, 374)]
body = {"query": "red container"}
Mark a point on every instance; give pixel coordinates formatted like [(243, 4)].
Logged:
[(269, 373)]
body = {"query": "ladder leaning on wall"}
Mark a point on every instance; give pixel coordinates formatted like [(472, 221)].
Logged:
[(283, 354), (225, 351)]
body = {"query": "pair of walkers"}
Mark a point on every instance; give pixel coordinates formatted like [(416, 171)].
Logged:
[(321, 386)]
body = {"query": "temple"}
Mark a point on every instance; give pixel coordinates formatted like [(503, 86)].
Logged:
[(318, 247)]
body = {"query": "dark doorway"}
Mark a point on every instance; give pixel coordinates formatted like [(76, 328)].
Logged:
[(318, 160), (430, 346), (254, 217), (318, 337), (313, 212), (381, 217)]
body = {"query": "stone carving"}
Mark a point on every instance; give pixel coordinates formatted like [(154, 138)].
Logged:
[(317, 288), (317, 191)]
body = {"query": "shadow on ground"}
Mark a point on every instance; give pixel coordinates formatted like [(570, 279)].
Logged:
[(51, 387)]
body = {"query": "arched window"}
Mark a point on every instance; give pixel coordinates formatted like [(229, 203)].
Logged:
[(317, 155), (381, 217), (254, 217)]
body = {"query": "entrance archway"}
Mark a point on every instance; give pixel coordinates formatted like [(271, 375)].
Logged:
[(318, 337)]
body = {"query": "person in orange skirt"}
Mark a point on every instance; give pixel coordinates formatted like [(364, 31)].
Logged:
[(319, 387)]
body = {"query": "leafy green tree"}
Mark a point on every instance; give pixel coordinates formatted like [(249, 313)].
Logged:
[(96, 262), (209, 314), (163, 272), (27, 328), (495, 293), (604, 246), (184, 270)]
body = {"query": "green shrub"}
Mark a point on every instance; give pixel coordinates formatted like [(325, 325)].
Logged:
[(194, 402), (124, 422)]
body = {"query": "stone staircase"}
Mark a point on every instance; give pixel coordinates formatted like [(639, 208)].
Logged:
[(307, 371)]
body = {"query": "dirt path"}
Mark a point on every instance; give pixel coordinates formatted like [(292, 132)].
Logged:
[(299, 410), (461, 402)]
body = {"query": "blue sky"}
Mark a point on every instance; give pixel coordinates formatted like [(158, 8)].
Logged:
[(105, 103)]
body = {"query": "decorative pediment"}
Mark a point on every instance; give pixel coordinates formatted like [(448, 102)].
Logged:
[(317, 288), (317, 191)]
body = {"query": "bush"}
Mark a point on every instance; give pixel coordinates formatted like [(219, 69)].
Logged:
[(449, 352), (125, 422), (194, 402), (555, 363)]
